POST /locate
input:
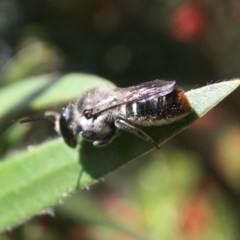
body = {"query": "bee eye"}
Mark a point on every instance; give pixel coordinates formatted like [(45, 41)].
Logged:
[(67, 132), (87, 113)]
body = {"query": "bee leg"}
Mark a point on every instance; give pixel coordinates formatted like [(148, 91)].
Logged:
[(126, 126), (102, 142), (105, 141)]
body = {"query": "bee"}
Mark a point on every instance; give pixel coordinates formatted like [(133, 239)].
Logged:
[(102, 113)]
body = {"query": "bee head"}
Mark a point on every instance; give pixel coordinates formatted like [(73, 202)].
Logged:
[(68, 127)]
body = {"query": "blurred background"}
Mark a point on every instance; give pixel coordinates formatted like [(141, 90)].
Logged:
[(188, 190)]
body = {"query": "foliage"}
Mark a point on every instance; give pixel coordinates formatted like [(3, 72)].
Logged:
[(52, 170)]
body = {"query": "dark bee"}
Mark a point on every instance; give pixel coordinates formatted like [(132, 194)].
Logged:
[(102, 113)]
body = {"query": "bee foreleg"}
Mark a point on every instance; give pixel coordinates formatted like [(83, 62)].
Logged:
[(101, 142), (128, 127)]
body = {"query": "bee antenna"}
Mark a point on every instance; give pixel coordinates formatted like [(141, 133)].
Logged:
[(48, 116), (53, 117), (26, 120)]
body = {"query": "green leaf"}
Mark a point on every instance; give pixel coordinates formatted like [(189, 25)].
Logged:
[(38, 178), (42, 91)]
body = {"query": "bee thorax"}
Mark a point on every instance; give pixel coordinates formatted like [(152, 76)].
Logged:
[(95, 127)]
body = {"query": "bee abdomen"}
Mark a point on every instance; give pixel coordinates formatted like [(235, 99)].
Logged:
[(161, 108)]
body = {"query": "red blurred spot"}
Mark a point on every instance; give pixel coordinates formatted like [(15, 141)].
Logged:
[(214, 118), (122, 209), (195, 216), (188, 21), (122, 236), (236, 13), (81, 232)]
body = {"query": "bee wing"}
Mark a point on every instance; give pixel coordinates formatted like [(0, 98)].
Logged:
[(138, 92)]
